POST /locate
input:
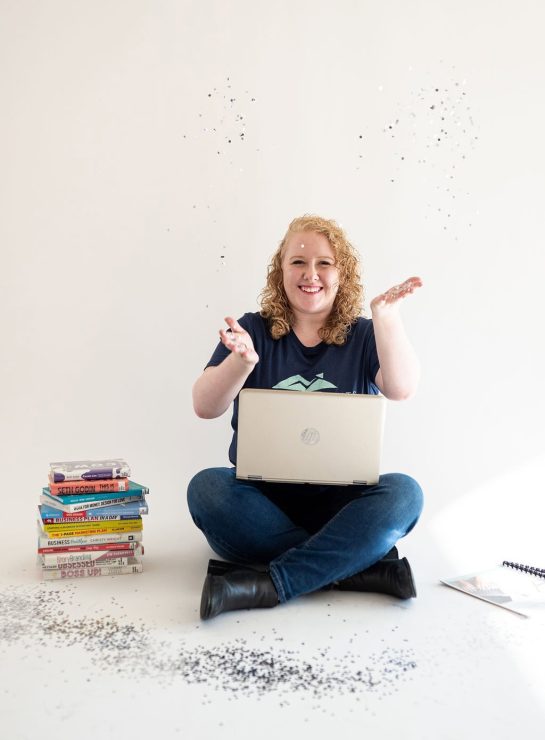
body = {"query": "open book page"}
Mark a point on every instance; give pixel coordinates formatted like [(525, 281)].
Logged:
[(512, 589)]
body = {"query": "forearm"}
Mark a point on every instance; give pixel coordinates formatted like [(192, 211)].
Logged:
[(218, 386), (399, 366)]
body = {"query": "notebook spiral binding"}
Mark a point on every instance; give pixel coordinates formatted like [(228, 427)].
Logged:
[(539, 572)]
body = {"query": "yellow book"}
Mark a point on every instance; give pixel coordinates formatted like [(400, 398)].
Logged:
[(107, 524), (63, 530), (89, 533)]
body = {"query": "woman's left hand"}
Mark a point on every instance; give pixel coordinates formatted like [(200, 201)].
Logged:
[(384, 302)]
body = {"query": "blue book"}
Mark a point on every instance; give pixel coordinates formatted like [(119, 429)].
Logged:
[(131, 510), (135, 489)]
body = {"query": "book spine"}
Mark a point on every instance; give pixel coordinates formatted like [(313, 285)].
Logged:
[(90, 558), (89, 539), (97, 570), (134, 489), (106, 546), (88, 506), (82, 518), (121, 560), (83, 524), (88, 470), (59, 530), (73, 487)]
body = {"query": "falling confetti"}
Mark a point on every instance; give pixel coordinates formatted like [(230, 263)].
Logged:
[(435, 129)]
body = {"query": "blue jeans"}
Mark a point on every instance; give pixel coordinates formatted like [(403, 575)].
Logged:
[(308, 535)]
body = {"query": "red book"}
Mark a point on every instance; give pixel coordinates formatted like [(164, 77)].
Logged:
[(72, 487), (90, 548)]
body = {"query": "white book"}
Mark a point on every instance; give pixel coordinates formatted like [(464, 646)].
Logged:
[(94, 557), (92, 572)]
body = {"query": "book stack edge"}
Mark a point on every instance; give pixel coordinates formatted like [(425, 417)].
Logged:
[(90, 520)]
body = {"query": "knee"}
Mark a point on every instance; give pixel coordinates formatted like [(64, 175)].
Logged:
[(409, 494), (414, 494), (203, 491)]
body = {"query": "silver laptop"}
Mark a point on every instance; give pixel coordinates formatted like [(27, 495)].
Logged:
[(309, 437)]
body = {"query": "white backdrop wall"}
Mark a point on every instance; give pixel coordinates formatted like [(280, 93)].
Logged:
[(153, 154)]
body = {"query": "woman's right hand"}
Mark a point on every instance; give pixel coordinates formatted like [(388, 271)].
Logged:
[(239, 342)]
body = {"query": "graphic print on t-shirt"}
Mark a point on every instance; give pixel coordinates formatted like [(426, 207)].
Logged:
[(298, 383)]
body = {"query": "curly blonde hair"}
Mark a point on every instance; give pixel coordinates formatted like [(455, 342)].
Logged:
[(348, 303)]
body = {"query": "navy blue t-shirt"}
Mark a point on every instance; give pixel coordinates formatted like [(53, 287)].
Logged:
[(286, 364)]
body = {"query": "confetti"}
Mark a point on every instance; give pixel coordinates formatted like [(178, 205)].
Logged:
[(38, 617)]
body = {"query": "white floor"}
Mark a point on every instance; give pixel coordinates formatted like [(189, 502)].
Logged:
[(129, 657)]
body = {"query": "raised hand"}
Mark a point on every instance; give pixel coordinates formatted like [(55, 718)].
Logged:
[(239, 341), (386, 301)]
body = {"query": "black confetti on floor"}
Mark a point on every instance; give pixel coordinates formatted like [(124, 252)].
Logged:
[(39, 617)]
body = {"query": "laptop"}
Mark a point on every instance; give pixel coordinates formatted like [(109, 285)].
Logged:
[(309, 437)]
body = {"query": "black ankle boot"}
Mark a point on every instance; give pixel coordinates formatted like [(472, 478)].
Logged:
[(392, 577), (391, 555), (237, 589), (220, 567)]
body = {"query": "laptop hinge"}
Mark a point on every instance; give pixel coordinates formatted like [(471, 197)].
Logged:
[(359, 482), (255, 477)]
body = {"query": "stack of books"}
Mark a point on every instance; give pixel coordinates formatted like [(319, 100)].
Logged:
[(90, 520)]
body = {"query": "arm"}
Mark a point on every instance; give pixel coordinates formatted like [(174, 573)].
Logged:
[(218, 386), (399, 370)]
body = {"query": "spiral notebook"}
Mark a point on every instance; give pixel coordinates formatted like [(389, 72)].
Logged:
[(520, 588)]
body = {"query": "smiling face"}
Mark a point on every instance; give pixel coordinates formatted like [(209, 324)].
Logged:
[(310, 276)]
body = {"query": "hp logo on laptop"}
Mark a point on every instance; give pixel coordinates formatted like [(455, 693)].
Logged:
[(310, 436)]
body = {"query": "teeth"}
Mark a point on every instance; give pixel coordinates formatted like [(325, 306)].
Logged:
[(309, 290)]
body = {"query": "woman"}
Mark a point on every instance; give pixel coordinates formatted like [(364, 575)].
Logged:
[(286, 540)]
